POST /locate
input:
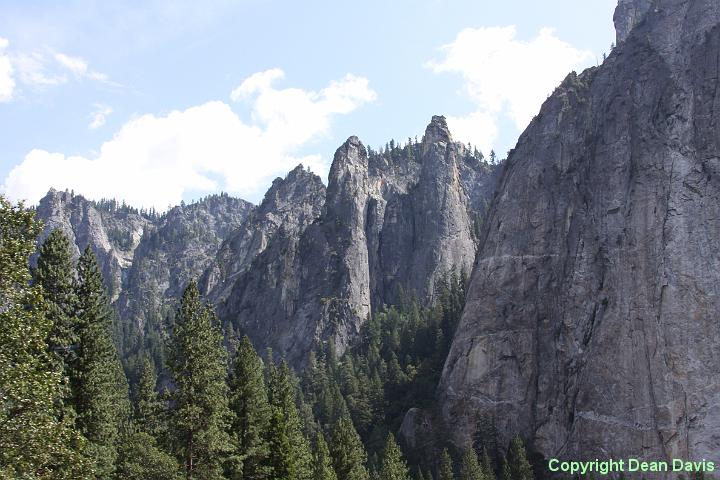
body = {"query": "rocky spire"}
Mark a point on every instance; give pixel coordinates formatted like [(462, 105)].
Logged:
[(629, 13), (437, 131)]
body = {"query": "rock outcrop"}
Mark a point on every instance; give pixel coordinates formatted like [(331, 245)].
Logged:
[(175, 249), (146, 259), (112, 233), (289, 206), (591, 319), (400, 220)]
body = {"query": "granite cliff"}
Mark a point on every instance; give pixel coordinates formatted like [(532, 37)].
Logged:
[(590, 326), (390, 222), (113, 233), (146, 259)]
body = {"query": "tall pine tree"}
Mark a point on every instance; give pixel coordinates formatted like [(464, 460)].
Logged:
[(470, 468), (393, 464), (517, 461), (347, 450), (322, 462), (100, 389), (487, 465), (251, 415), (34, 441), (149, 409), (197, 363), (55, 273), (445, 472), (290, 455)]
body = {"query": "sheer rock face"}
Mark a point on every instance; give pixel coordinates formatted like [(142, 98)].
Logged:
[(290, 205), (591, 321), (113, 236), (628, 14), (389, 222)]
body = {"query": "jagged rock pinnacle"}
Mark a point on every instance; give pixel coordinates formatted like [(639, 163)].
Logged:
[(437, 131)]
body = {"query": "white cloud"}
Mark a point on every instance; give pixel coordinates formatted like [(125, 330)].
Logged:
[(46, 68), (256, 82), (76, 65), (99, 115), (33, 70), (154, 160), (7, 83), (505, 76)]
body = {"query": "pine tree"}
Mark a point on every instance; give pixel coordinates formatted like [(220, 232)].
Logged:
[(393, 464), (35, 442), (445, 472), (139, 458), (149, 411), (99, 390), (506, 471), (487, 466), (290, 455), (470, 468), (55, 273), (251, 415), (348, 454), (200, 415), (322, 463), (517, 461)]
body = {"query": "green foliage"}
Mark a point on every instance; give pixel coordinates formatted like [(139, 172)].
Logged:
[(347, 450), (517, 461), (470, 468), (200, 414), (149, 409), (55, 273), (290, 456), (445, 471), (487, 465), (251, 415), (36, 442), (100, 390), (393, 464), (506, 471), (322, 462), (395, 366), (139, 458)]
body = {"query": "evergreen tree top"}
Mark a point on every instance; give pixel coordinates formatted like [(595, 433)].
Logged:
[(393, 464)]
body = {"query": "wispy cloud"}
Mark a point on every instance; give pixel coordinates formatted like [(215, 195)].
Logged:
[(7, 82), (34, 70), (99, 115), (42, 69), (504, 76), (153, 160)]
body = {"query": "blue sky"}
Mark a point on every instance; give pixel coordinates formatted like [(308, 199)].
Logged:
[(154, 102)]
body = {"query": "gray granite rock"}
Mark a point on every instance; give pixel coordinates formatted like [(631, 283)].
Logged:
[(398, 220), (591, 320), (113, 235), (177, 248)]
